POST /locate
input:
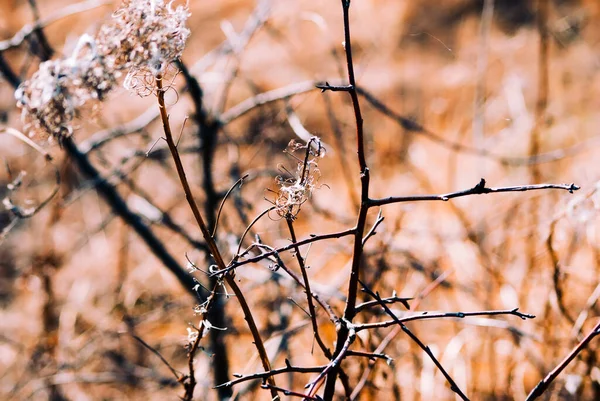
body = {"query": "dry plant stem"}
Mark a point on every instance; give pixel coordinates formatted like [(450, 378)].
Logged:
[(30, 29), (45, 50), (239, 249), (344, 331), (189, 382), (441, 315), (17, 211), (263, 375), (238, 182), (208, 136), (453, 386), (545, 382), (158, 354), (120, 208), (274, 252), (478, 189), (388, 339), (309, 298), (289, 393), (390, 300), (229, 278), (341, 152)]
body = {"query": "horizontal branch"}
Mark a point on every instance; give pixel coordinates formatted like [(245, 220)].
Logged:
[(389, 300), (371, 355), (442, 315), (311, 239), (290, 393), (29, 29), (479, 189), (263, 98), (334, 88), (273, 372), (453, 386)]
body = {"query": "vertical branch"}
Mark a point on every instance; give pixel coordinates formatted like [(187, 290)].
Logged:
[(45, 51), (208, 135), (309, 297), (349, 310), (7, 73), (229, 278)]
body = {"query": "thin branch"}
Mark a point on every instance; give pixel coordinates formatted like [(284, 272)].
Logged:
[(371, 355), (237, 253), (290, 393), (389, 300), (439, 315), (17, 211), (158, 354), (453, 386), (373, 229), (388, 339), (29, 29), (478, 189), (121, 209), (312, 238), (346, 333), (545, 382), (207, 236), (247, 105), (334, 364), (190, 380), (309, 298), (238, 182), (334, 88), (273, 372), (412, 126)]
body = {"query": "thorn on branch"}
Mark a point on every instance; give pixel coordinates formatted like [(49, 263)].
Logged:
[(334, 88)]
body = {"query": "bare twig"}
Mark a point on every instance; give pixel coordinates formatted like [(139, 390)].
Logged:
[(542, 386), (309, 298), (29, 29), (439, 315), (478, 189), (238, 182), (158, 354), (263, 375), (207, 236), (453, 386)]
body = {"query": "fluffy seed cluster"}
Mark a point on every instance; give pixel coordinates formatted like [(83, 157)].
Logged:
[(296, 190), (141, 41)]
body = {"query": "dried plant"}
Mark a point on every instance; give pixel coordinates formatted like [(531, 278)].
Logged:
[(142, 40), (327, 336)]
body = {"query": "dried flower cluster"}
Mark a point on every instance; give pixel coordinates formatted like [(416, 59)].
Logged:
[(142, 40), (297, 189)]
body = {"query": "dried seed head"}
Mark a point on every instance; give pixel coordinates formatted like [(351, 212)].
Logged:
[(295, 191), (142, 40)]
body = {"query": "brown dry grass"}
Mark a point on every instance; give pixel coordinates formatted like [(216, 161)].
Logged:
[(76, 283)]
